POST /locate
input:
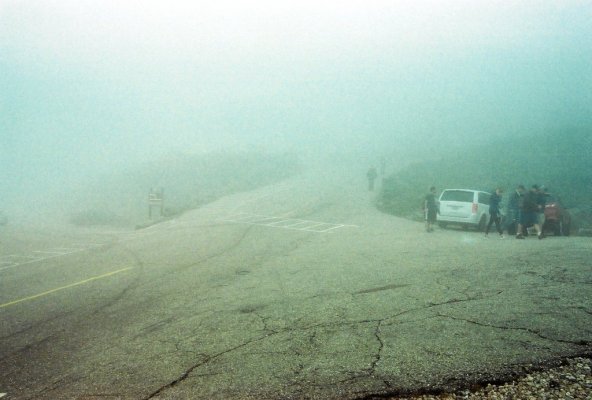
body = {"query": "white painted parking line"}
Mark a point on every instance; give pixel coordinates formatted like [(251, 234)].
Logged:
[(138, 235), (333, 227), (65, 250), (48, 252), (15, 260), (32, 260), (18, 258), (268, 219), (247, 218), (313, 225), (63, 253), (285, 223), (235, 216), (87, 245), (296, 224)]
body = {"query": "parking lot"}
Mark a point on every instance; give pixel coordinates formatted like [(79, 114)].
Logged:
[(293, 291)]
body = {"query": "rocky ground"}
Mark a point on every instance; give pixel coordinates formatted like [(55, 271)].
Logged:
[(570, 381)]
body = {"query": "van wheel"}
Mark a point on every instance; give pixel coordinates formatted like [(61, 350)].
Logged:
[(482, 222)]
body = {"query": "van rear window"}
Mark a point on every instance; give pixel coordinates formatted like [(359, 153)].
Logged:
[(457, 195), (484, 198)]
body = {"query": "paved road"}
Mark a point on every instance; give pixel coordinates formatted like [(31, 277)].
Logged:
[(300, 290)]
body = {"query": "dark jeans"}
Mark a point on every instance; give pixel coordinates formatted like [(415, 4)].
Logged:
[(494, 217), (511, 221)]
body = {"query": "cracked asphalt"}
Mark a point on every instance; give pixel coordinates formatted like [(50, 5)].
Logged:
[(213, 309)]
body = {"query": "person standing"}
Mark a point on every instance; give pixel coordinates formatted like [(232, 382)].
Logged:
[(371, 175), (513, 216), (494, 212), (430, 209), (528, 213), (542, 202)]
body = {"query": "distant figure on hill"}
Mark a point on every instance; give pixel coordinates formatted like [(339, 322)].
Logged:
[(494, 212), (371, 175), (430, 209)]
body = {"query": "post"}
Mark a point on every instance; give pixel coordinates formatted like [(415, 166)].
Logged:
[(155, 199)]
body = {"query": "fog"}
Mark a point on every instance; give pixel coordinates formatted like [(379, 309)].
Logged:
[(89, 88)]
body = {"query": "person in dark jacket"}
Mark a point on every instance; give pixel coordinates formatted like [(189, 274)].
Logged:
[(430, 208), (494, 212), (513, 210), (529, 213), (542, 202)]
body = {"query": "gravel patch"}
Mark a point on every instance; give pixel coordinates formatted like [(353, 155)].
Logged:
[(570, 381)]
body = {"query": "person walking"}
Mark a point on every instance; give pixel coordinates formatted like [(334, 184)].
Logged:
[(528, 213), (430, 209), (494, 212)]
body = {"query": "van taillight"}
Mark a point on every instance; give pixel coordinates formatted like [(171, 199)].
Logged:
[(475, 206)]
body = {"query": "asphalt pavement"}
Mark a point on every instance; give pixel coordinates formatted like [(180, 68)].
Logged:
[(300, 290)]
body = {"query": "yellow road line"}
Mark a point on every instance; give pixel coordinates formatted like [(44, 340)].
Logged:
[(64, 287)]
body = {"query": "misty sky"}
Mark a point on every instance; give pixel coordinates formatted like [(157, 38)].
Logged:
[(88, 85)]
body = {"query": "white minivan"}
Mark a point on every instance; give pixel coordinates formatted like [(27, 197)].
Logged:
[(464, 207)]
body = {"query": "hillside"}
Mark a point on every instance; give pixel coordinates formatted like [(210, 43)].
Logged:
[(561, 161), (188, 181)]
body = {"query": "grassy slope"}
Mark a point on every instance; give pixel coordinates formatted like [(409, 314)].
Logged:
[(562, 162)]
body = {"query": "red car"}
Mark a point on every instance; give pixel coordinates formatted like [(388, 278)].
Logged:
[(557, 218)]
